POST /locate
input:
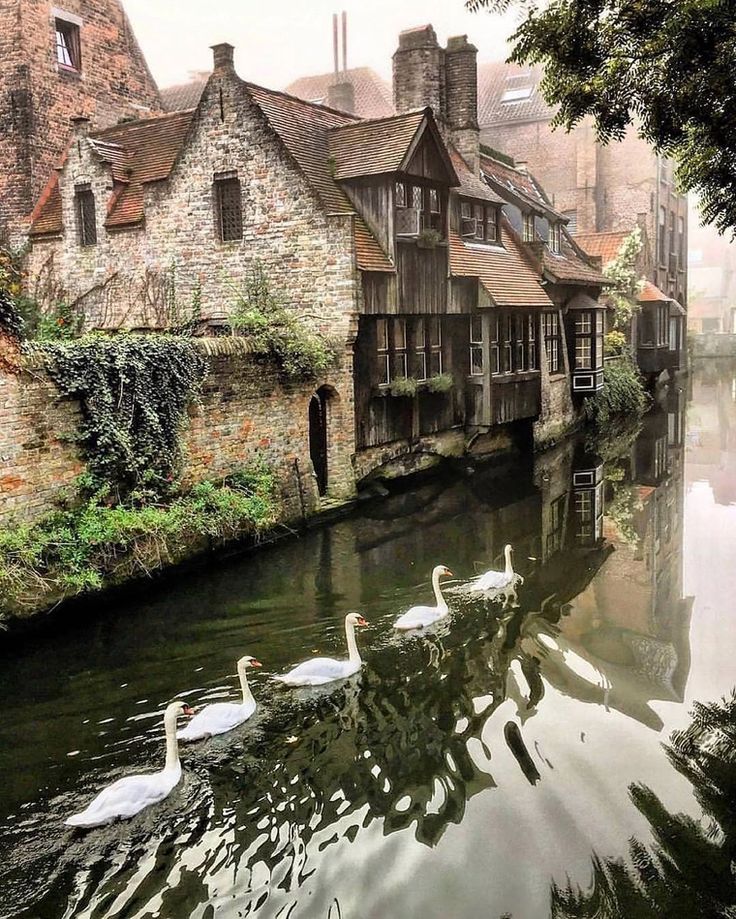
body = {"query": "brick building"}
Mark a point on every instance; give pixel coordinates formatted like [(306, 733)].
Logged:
[(600, 189), (57, 63), (460, 305)]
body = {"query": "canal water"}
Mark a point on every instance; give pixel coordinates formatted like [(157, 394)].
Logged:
[(511, 762)]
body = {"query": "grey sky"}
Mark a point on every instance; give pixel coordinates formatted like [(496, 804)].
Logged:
[(279, 40)]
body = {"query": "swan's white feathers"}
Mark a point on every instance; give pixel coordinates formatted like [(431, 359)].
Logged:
[(419, 617), (319, 670), (126, 797), (217, 718)]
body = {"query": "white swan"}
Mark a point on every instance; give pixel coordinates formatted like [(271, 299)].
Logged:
[(221, 717), (321, 670), (132, 794), (496, 581), (420, 616)]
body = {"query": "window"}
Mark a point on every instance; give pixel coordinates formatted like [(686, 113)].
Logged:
[(418, 207), (384, 371), (532, 342), (555, 238), (519, 344), (572, 221), (662, 324), (528, 228), (673, 238), (508, 338), (229, 208), (476, 345), (583, 353), (516, 95), (551, 326), (478, 222), (681, 242), (86, 218), (589, 340), (556, 524), (428, 347), (68, 53), (399, 368), (662, 240), (495, 347)]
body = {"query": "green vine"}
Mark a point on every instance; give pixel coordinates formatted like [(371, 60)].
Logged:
[(627, 281), (259, 313), (623, 394), (133, 391)]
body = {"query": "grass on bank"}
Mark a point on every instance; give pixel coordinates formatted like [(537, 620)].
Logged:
[(93, 546)]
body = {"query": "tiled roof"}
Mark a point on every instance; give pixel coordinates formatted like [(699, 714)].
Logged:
[(183, 96), (498, 81), (569, 266), (373, 147), (504, 272), (650, 293), (470, 185), (605, 246), (518, 183), (372, 94), (46, 216)]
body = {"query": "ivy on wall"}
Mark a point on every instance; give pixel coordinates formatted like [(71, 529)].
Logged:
[(133, 391)]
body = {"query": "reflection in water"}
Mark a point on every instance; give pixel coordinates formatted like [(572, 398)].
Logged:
[(406, 773)]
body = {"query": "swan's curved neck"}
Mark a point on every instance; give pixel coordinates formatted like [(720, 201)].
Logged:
[(509, 569), (172, 748), (247, 694), (353, 653), (441, 602)]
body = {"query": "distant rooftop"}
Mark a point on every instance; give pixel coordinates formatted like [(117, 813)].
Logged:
[(372, 93)]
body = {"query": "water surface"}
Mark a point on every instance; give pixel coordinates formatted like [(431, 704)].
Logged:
[(462, 773)]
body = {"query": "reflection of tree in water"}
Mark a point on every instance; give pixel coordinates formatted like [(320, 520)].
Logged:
[(689, 871)]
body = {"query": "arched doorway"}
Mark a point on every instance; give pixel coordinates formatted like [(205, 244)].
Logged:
[(318, 436)]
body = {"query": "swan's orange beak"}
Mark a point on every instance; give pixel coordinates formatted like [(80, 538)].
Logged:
[(255, 663), (188, 711), (447, 573), (362, 621)]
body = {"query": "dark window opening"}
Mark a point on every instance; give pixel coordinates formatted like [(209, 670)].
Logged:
[(318, 418), (408, 347), (68, 47), (476, 345), (427, 347), (229, 208), (513, 342), (478, 222), (86, 218)]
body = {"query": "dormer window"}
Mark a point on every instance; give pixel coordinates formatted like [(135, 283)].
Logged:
[(527, 228), (418, 207), (68, 46), (555, 238), (478, 222)]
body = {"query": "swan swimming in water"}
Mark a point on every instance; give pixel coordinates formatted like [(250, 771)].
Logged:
[(497, 582), (221, 717), (321, 670), (418, 617), (131, 794)]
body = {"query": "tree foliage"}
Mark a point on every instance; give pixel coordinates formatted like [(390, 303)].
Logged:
[(666, 66)]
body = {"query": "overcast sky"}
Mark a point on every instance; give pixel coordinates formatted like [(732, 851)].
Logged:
[(278, 40)]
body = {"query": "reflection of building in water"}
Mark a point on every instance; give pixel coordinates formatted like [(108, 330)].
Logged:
[(712, 429)]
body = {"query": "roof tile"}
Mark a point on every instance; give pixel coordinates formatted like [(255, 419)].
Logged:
[(372, 94)]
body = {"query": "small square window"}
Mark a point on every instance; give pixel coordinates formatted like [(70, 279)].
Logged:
[(68, 49)]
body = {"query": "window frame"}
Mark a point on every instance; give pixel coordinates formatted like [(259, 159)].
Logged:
[(71, 44), (528, 230), (228, 211), (426, 198), (486, 219), (85, 207), (554, 242), (552, 341), (476, 345)]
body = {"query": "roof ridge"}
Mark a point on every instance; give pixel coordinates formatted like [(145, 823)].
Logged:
[(371, 121), (124, 125), (314, 105)]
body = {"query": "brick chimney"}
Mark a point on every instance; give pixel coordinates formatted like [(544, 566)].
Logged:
[(80, 125), (341, 96), (419, 71), (222, 55), (461, 99)]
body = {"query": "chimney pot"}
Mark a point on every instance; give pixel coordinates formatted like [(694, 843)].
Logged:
[(223, 56)]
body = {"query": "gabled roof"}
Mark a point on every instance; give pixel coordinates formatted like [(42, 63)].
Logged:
[(372, 94), (504, 272), (471, 186), (385, 145), (507, 92), (605, 246), (517, 186), (650, 293), (568, 267), (138, 152)]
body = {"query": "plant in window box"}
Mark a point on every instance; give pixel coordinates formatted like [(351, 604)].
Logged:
[(440, 382), (429, 238), (403, 386)]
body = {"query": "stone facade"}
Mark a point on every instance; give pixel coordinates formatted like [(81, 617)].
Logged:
[(39, 96), (244, 411)]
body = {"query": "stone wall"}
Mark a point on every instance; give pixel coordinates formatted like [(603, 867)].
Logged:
[(38, 98), (244, 410)]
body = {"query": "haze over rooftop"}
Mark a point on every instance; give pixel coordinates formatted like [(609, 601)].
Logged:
[(276, 43)]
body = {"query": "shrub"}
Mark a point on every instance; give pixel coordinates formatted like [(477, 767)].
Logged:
[(93, 546), (616, 344), (440, 382), (623, 394), (403, 386)]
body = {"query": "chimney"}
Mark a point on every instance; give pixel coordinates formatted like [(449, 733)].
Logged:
[(223, 56), (341, 93), (461, 99), (342, 96), (80, 125), (419, 71)]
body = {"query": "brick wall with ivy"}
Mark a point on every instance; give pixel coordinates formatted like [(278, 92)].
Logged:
[(245, 409)]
